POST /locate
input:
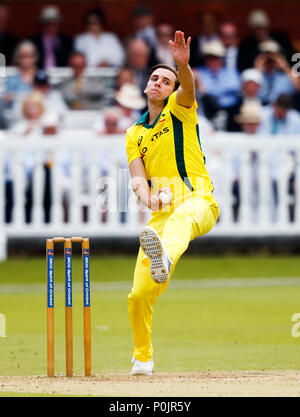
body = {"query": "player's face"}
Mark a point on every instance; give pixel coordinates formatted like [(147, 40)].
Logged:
[(160, 84)]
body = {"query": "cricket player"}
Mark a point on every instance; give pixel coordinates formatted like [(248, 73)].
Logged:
[(165, 159)]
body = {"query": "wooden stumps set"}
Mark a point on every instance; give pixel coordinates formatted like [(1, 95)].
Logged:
[(85, 246)]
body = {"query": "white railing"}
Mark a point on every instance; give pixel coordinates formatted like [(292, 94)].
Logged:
[(78, 160)]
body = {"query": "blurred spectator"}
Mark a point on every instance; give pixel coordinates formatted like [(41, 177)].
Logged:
[(130, 103), (259, 24), (220, 85), (230, 40), (20, 84), (81, 92), (138, 55), (53, 99), (53, 47), (249, 119), (143, 21), (32, 112), (35, 120), (251, 83), (162, 51), (7, 41), (208, 33), (125, 76), (277, 75), (110, 124), (33, 108), (99, 47), (281, 119)]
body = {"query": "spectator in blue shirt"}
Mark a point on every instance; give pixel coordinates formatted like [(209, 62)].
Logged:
[(277, 74), (25, 58), (281, 119), (220, 85)]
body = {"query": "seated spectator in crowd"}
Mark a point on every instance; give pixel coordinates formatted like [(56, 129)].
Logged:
[(8, 42), (125, 76), (33, 108), (251, 80), (53, 99), (220, 85), (281, 119), (249, 119), (207, 24), (20, 84), (277, 75), (99, 47), (138, 56), (162, 51), (81, 92), (229, 38), (251, 83), (130, 103), (32, 111), (53, 47), (259, 25), (143, 22)]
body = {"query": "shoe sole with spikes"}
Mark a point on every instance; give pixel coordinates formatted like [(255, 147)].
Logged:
[(153, 249)]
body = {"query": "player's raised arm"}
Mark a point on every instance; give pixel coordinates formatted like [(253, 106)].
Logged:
[(181, 53)]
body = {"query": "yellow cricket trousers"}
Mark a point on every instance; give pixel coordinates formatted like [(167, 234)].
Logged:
[(194, 217)]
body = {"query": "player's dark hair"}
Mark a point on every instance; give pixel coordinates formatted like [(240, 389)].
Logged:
[(168, 67)]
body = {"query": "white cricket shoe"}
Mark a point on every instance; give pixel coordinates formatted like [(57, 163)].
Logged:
[(142, 368), (160, 263)]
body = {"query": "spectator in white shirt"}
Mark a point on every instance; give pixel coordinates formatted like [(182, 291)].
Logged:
[(54, 101), (100, 48)]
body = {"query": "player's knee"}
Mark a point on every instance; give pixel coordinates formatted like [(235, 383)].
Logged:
[(140, 296)]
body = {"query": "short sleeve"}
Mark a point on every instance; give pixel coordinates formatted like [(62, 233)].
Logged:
[(182, 113), (132, 148)]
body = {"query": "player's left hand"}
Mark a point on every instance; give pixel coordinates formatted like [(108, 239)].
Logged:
[(180, 48)]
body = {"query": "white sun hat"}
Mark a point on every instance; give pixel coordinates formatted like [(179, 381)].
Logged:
[(50, 14), (252, 74), (130, 96), (214, 48), (250, 112), (258, 19), (269, 46)]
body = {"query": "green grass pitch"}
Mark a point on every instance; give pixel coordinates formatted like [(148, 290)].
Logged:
[(194, 328)]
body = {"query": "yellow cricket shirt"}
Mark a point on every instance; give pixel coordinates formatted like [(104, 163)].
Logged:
[(171, 150)]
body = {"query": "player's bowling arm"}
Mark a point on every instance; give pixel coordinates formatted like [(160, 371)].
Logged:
[(140, 186)]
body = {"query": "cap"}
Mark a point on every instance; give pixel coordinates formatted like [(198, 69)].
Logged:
[(41, 77), (258, 19), (214, 48), (252, 74)]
